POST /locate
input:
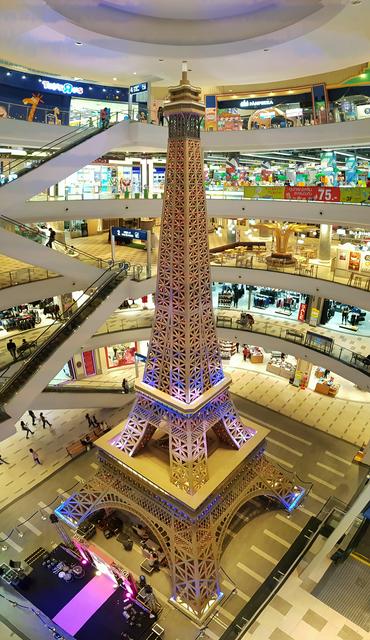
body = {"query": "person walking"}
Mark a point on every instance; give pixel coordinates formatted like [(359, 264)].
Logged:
[(89, 420), (12, 348), (35, 456), (32, 415), (25, 427), (44, 420), (95, 423), (52, 235), (2, 461)]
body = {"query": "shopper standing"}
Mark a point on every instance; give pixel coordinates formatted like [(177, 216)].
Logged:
[(125, 386), (25, 427), (12, 348), (44, 420), (160, 116), (35, 456), (245, 353), (52, 235), (345, 312), (32, 415)]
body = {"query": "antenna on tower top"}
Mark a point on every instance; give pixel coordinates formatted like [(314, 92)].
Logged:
[(184, 77)]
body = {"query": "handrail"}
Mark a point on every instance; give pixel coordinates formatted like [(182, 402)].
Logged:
[(75, 132), (35, 232)]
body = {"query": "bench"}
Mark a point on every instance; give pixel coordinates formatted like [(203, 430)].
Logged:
[(74, 449)]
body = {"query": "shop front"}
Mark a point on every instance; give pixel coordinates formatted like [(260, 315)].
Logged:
[(57, 101), (266, 300)]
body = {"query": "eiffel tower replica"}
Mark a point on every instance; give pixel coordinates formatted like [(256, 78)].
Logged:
[(184, 462)]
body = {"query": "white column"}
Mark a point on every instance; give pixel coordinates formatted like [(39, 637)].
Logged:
[(316, 564)]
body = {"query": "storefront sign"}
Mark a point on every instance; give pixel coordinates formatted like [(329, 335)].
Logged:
[(132, 234), (138, 88), (67, 87), (253, 104), (302, 312), (294, 113)]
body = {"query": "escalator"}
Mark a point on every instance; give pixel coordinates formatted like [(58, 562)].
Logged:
[(59, 159), (59, 341)]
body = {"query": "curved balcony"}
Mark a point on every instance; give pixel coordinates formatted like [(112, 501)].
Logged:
[(348, 363)]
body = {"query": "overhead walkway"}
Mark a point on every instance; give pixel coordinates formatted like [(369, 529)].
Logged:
[(62, 157)]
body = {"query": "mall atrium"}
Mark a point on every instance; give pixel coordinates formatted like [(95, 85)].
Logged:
[(185, 320)]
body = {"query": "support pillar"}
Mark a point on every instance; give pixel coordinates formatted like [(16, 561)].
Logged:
[(325, 243)]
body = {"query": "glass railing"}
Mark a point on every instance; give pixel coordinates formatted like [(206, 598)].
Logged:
[(24, 276), (311, 193), (60, 385), (301, 267), (14, 169), (60, 330), (36, 235), (331, 349)]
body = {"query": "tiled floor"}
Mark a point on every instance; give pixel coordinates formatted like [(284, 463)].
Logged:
[(22, 474), (295, 614)]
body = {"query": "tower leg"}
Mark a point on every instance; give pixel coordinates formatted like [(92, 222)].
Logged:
[(139, 427), (195, 569), (188, 454), (230, 428)]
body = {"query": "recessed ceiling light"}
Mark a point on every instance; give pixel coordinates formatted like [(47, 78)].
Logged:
[(230, 90), (115, 79), (363, 75), (78, 44), (8, 73), (104, 90), (23, 77), (290, 91), (134, 73), (90, 88), (117, 90), (271, 94)]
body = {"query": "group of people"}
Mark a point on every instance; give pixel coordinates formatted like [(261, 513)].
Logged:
[(42, 419), (15, 351), (93, 423)]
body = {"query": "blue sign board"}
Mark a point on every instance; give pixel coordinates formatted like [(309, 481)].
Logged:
[(140, 357), (132, 234), (139, 88)]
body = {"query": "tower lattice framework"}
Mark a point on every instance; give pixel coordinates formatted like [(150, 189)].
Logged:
[(184, 395)]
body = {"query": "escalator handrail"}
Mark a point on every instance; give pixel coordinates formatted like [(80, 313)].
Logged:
[(67, 136), (35, 231), (114, 274)]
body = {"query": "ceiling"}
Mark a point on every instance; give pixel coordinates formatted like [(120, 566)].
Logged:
[(225, 42)]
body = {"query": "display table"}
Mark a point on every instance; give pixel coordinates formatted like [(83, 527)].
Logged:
[(327, 389), (256, 356), (279, 368)]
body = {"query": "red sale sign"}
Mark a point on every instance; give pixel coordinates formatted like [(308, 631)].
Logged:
[(302, 312), (321, 194)]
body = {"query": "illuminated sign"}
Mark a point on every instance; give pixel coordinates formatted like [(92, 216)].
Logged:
[(257, 103), (139, 88), (132, 234), (67, 87)]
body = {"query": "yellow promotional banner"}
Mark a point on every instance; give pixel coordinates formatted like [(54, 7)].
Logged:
[(354, 194), (271, 193)]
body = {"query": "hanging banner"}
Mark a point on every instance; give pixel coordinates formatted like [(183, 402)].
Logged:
[(302, 312), (354, 194), (272, 193), (321, 194)]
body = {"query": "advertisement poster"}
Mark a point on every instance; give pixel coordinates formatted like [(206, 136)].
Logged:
[(302, 312), (120, 355), (354, 194), (366, 263), (354, 261)]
